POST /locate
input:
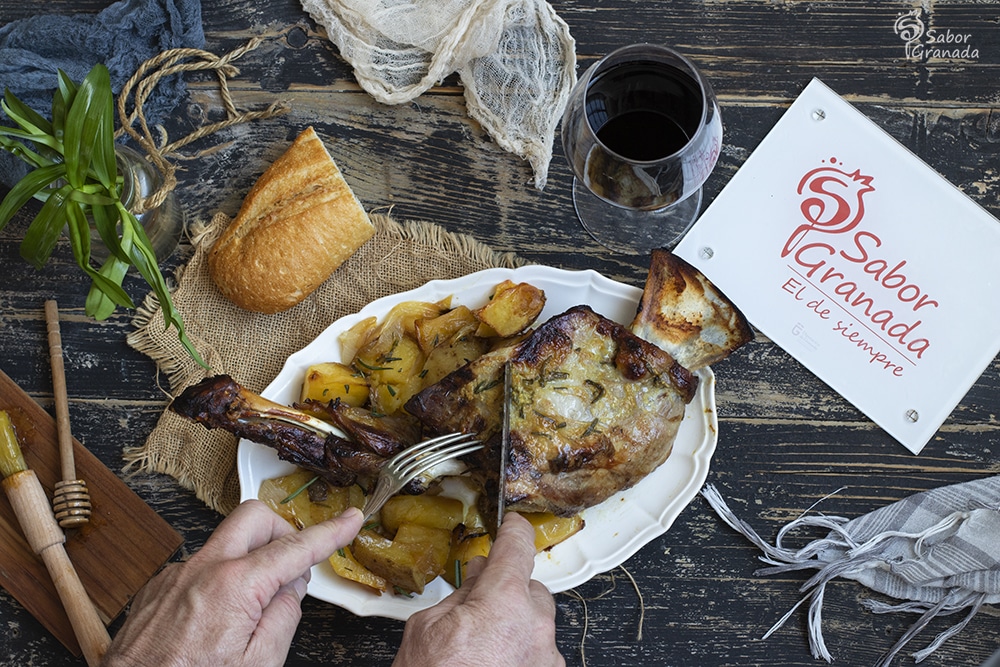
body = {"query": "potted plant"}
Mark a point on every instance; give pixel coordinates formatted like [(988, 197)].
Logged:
[(75, 173)]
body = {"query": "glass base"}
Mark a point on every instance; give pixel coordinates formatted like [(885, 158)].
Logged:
[(631, 231), (164, 226)]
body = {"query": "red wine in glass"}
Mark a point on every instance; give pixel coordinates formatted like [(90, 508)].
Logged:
[(642, 132)]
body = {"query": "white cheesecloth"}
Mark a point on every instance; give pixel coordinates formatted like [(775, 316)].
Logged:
[(516, 60)]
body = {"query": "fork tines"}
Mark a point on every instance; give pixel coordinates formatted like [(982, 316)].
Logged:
[(422, 457), (414, 461)]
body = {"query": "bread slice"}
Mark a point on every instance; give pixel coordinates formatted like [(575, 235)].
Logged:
[(685, 315), (298, 223)]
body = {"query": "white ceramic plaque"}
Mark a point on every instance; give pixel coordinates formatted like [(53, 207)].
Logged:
[(859, 260)]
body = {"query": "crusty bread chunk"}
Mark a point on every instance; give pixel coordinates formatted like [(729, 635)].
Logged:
[(299, 222), (685, 315)]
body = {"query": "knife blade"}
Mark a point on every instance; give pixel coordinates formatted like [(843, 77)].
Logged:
[(504, 444)]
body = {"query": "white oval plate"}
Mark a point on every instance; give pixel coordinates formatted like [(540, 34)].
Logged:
[(614, 530)]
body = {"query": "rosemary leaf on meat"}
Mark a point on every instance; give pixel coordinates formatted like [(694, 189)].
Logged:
[(485, 385), (291, 496), (597, 390)]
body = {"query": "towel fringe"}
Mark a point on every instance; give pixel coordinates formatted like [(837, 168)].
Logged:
[(853, 558)]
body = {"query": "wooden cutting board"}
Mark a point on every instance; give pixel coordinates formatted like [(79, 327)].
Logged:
[(122, 546)]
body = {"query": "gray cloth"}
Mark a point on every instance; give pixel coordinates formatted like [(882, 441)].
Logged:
[(937, 552), (122, 36)]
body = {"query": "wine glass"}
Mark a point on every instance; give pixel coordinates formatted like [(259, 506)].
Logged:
[(642, 132)]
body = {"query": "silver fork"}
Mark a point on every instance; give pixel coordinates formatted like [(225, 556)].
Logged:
[(414, 461)]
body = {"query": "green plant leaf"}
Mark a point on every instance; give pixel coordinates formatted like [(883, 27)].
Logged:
[(15, 108), (20, 150), (98, 304), (44, 230), (79, 233), (144, 261), (112, 291), (33, 126), (92, 105), (26, 188), (98, 197), (104, 164), (106, 219), (61, 101), (79, 236), (42, 140)]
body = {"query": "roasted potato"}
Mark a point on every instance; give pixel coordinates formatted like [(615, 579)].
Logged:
[(393, 368), (357, 337), (402, 318), (414, 558), (465, 545), (303, 500), (423, 510), (512, 309), (550, 529), (451, 356), (434, 331), (347, 566), (277, 494), (331, 380)]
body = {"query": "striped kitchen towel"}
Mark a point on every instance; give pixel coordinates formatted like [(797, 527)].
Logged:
[(936, 552)]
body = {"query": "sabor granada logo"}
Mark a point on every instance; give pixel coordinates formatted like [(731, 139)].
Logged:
[(842, 274), (923, 43)]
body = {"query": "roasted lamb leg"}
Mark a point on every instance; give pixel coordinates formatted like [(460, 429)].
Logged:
[(296, 435), (594, 410)]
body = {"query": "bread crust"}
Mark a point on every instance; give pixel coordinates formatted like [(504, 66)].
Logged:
[(298, 223), (684, 314)]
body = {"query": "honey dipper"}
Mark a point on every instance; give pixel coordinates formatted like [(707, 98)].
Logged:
[(70, 497), (31, 506)]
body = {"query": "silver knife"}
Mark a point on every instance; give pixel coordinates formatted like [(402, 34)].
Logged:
[(504, 444)]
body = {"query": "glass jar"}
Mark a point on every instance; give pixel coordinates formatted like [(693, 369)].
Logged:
[(163, 224)]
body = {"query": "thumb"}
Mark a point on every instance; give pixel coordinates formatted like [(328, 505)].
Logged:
[(273, 636)]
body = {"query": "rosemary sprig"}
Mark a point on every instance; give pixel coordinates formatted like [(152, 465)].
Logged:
[(75, 175), (294, 494)]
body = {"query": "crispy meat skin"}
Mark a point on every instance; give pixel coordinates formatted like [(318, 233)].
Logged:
[(594, 410)]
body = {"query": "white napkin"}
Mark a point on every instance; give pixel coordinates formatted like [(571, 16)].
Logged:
[(516, 59), (938, 552)]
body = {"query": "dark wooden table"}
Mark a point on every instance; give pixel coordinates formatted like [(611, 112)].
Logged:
[(786, 439)]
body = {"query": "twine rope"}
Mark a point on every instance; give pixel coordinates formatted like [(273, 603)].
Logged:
[(144, 81)]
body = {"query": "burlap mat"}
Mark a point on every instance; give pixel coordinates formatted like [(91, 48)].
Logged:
[(252, 347)]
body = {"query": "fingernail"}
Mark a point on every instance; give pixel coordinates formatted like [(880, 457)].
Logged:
[(301, 586)]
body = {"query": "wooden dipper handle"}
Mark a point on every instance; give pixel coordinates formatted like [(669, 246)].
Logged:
[(46, 538), (59, 389), (72, 499)]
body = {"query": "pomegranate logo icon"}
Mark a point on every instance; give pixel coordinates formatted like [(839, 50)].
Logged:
[(833, 202), (910, 28)]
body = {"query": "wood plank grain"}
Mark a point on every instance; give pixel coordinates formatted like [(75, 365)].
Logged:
[(786, 439)]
